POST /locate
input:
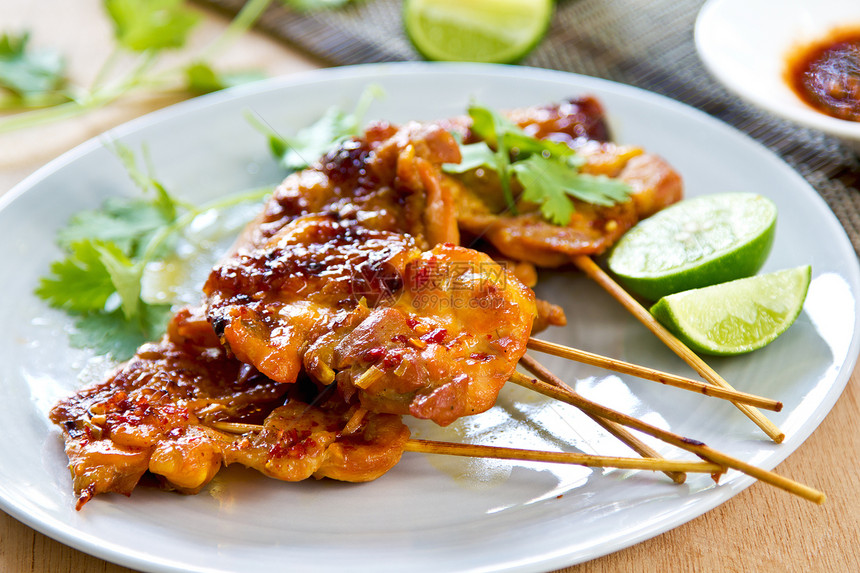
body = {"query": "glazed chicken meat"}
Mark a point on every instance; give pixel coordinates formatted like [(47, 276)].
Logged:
[(154, 418), (434, 334)]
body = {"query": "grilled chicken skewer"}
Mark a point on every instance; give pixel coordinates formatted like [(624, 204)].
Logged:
[(267, 437), (162, 415), (349, 278), (527, 238)]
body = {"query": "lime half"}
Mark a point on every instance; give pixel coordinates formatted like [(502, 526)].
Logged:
[(494, 31), (737, 316), (696, 243)]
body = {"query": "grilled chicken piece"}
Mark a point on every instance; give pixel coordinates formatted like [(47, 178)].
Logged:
[(388, 180), (327, 440), (153, 417), (433, 334), (151, 414), (592, 229)]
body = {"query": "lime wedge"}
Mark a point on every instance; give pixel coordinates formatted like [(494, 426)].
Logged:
[(737, 316), (696, 243), (493, 31)]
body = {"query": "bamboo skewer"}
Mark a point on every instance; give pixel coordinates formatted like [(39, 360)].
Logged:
[(556, 391), (591, 268), (633, 442), (501, 453), (653, 375)]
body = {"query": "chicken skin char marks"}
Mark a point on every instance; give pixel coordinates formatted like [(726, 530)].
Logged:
[(580, 123), (389, 180), (434, 334), (152, 418)]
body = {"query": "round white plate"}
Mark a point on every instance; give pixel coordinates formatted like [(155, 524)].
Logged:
[(745, 44), (427, 514)]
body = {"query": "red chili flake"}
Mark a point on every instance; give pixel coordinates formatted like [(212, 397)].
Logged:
[(392, 359), (401, 338), (435, 336), (412, 322), (278, 450), (480, 356), (374, 354)]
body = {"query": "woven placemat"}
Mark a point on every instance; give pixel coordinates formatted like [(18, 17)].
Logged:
[(645, 44)]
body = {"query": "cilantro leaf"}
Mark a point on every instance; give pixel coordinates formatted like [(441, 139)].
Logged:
[(128, 224), (474, 155), (107, 250), (500, 132), (316, 140), (489, 125), (164, 202), (312, 142), (550, 184), (110, 332), (125, 276), (547, 171), (34, 77), (202, 79), (142, 25), (145, 181), (78, 283)]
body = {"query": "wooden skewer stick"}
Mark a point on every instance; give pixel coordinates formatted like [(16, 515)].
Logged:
[(500, 453), (591, 268), (651, 374), (571, 397), (617, 430), (633, 442), (636, 445)]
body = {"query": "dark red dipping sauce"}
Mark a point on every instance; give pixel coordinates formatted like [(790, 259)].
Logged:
[(826, 74)]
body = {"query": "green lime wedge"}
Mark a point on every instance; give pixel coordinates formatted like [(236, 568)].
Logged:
[(493, 31), (696, 243), (737, 316)]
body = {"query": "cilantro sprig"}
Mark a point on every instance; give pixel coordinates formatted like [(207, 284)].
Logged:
[(106, 252), (326, 133), (144, 30), (548, 172)]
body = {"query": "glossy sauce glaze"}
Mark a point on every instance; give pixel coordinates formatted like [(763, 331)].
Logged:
[(826, 74)]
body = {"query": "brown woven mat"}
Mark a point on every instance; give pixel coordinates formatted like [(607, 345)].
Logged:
[(646, 44)]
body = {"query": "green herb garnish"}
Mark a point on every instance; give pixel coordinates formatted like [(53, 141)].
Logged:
[(316, 140), (143, 31), (30, 78), (99, 281), (547, 171), (202, 78), (141, 25)]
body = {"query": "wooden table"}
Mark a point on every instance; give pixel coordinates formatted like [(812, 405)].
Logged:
[(761, 529)]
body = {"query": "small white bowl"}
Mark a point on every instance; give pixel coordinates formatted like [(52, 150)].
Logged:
[(745, 44)]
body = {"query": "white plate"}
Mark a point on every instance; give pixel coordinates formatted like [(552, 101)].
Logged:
[(745, 43), (427, 514)]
